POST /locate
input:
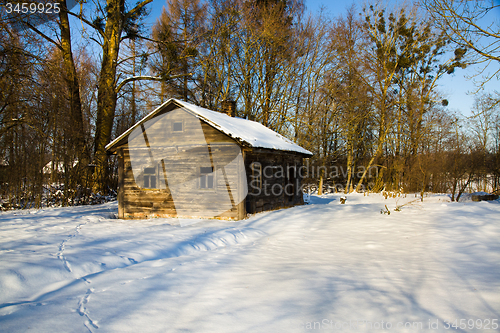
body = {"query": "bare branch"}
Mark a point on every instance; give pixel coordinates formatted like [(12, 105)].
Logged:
[(83, 19), (148, 78)]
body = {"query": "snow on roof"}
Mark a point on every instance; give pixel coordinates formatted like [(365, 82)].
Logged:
[(245, 131)]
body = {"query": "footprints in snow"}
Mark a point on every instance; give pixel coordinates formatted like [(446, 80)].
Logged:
[(82, 311), (133, 261), (61, 257), (60, 254), (202, 242)]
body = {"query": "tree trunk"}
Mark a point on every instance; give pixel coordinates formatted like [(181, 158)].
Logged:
[(348, 185), (133, 104), (106, 94), (372, 160), (462, 189), (76, 129), (320, 187), (454, 189)]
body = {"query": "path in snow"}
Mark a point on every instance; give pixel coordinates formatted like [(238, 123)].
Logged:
[(295, 270)]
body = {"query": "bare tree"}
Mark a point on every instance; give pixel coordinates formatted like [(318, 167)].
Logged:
[(113, 22), (350, 91), (482, 127), (473, 26)]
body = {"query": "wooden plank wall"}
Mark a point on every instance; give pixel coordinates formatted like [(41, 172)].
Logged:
[(182, 167), (272, 194), (183, 154)]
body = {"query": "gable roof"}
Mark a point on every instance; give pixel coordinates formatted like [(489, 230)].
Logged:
[(246, 132)]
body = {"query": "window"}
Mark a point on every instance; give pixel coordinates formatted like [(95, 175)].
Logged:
[(206, 177), (177, 126), (150, 177)]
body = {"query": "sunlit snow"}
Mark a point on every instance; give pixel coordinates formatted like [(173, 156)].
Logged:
[(318, 267)]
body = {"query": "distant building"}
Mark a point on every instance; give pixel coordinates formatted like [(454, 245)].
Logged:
[(182, 160), (57, 167)]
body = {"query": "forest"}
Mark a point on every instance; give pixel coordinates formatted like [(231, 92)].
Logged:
[(360, 90)]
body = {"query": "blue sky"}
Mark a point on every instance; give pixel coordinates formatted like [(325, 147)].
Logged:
[(457, 88)]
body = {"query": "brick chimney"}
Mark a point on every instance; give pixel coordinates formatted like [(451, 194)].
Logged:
[(229, 107)]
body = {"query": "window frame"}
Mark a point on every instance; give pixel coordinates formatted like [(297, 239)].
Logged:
[(148, 176), (177, 122), (203, 178)]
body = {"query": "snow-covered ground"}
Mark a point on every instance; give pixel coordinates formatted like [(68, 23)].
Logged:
[(319, 267)]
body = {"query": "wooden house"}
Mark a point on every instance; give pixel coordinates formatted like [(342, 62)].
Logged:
[(182, 160)]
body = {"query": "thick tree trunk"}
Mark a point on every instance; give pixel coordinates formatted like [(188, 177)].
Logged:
[(106, 95), (76, 128)]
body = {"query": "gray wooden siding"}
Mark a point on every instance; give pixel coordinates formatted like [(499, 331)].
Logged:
[(185, 154)]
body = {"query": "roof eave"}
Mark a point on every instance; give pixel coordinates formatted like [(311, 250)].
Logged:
[(113, 145), (110, 146)]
